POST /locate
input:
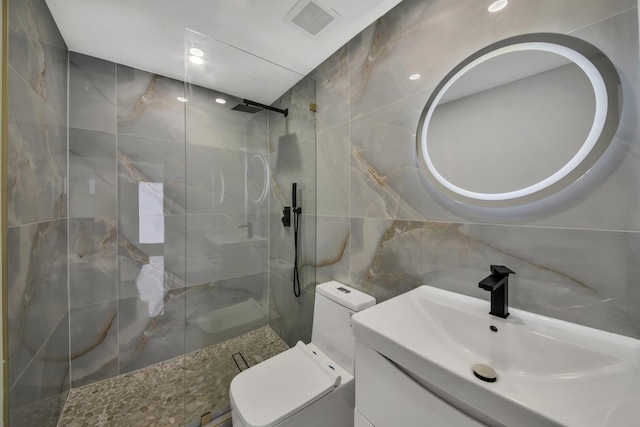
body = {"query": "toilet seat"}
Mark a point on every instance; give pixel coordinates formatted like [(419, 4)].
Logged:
[(283, 385)]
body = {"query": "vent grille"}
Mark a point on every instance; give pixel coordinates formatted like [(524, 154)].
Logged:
[(312, 18)]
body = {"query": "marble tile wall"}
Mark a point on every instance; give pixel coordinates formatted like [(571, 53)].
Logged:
[(292, 158), (381, 230), (37, 232), (161, 195)]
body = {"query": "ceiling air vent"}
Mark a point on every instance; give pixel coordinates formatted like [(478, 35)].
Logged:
[(311, 16)]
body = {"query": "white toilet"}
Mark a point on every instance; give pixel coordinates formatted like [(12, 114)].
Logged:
[(308, 385)]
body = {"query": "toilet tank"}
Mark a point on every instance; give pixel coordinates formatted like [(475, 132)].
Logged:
[(334, 305)]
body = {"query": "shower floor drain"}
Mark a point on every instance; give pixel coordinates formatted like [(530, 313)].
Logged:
[(241, 362)]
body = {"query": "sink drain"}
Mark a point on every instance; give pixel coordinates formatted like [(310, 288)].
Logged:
[(485, 373)]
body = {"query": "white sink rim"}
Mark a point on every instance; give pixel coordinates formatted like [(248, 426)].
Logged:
[(378, 328)]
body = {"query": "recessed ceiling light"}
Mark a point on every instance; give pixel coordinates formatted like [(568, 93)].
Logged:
[(414, 76), (181, 99), (196, 60), (498, 5), (220, 101), (196, 52)]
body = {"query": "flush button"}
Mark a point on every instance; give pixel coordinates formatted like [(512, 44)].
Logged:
[(346, 291)]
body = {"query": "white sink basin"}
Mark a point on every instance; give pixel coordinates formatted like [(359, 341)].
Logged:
[(550, 372)]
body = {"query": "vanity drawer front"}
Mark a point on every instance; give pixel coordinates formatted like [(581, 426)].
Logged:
[(387, 397)]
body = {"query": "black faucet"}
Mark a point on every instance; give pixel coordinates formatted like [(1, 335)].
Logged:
[(498, 285)]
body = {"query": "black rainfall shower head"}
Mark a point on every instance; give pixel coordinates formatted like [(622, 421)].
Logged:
[(246, 109)]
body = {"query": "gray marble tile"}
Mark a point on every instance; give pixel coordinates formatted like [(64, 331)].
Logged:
[(258, 133), (145, 160), (148, 105), (300, 124), (37, 288), (332, 90), (38, 53), (225, 181), (37, 157), (290, 317), (93, 260), (40, 393), (94, 343), (333, 260), (219, 247), (151, 268), (225, 309), (292, 161), (386, 180), (334, 172), (281, 246), (92, 174), (560, 273), (151, 329), (32, 19), (405, 40), (212, 124), (92, 93)]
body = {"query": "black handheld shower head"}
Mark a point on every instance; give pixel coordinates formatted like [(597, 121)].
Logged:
[(294, 192)]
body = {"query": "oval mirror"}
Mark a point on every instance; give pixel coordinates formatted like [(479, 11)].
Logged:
[(519, 120)]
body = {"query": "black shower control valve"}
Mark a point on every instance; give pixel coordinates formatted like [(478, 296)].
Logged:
[(286, 216)]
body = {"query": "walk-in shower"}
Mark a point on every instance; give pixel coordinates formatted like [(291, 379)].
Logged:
[(165, 271)]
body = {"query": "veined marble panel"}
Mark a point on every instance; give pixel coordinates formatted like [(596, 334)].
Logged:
[(92, 174), (37, 157), (281, 248), (146, 160), (212, 124), (333, 249), (301, 121), (37, 288), (38, 53), (386, 180), (293, 161), (41, 391), (291, 317), (218, 247), (224, 181), (407, 38), (92, 93), (334, 172), (258, 133), (93, 260), (151, 268), (32, 19), (148, 105), (226, 309), (332, 90), (151, 328), (586, 277), (94, 343)]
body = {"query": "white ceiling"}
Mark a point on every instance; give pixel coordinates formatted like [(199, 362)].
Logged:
[(150, 35)]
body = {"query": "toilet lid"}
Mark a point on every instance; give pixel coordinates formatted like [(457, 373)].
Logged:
[(281, 386)]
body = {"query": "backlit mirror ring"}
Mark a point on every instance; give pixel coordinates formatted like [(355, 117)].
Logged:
[(607, 116)]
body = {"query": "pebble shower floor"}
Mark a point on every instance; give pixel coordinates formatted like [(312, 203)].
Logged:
[(172, 393)]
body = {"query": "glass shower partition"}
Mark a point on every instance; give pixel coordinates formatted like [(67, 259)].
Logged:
[(241, 160)]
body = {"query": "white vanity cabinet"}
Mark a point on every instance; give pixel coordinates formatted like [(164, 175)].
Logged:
[(388, 397)]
